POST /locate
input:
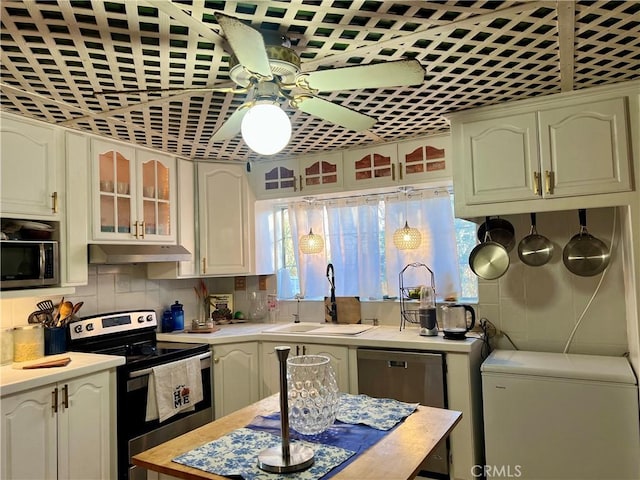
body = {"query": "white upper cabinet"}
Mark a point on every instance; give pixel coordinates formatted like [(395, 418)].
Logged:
[(584, 149), (422, 160), (320, 173), (134, 193), (225, 206), (425, 159), (271, 179), (501, 159), (556, 153), (31, 169), (375, 166), (310, 174)]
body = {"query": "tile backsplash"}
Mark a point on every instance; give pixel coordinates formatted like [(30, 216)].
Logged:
[(537, 307)]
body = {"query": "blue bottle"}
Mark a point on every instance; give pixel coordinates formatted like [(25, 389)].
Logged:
[(167, 321), (178, 316)]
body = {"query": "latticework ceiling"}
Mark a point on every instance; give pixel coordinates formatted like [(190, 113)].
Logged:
[(55, 54)]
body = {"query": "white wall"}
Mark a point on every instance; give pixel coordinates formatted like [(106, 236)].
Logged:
[(536, 306), (114, 288)]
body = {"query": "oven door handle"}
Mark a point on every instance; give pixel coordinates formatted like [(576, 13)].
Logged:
[(147, 371)]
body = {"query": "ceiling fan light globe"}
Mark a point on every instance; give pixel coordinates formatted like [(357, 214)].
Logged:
[(266, 128)]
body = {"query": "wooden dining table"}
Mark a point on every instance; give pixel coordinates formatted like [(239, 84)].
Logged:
[(397, 455)]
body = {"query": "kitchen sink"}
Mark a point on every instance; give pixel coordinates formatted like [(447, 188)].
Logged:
[(294, 328), (320, 328)]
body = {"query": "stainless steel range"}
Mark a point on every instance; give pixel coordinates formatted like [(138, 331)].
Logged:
[(133, 335)]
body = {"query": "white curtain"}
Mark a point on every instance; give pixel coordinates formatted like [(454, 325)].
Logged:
[(431, 213), (358, 235), (304, 217), (354, 246)]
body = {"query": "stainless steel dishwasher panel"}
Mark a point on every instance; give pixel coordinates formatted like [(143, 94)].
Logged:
[(414, 377)]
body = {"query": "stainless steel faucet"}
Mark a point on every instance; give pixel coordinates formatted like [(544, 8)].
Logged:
[(333, 309)]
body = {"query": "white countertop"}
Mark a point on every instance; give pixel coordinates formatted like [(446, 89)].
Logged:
[(381, 337), (14, 380)]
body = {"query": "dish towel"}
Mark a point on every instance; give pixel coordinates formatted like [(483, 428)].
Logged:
[(173, 388)]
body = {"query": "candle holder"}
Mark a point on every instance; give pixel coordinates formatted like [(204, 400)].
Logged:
[(288, 458)]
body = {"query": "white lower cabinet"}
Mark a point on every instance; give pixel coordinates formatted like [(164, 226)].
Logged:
[(338, 355), (235, 377), (59, 431)]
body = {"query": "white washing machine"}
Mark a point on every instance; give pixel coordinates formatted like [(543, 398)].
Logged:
[(560, 416)]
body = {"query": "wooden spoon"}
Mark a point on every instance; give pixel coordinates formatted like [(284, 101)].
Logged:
[(76, 307), (65, 311)]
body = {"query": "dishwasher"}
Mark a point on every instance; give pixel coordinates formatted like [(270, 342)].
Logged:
[(408, 376)]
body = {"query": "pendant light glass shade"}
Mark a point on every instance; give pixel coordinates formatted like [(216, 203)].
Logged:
[(266, 128), (311, 243), (407, 238)]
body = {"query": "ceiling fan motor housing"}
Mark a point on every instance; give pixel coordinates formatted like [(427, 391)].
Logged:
[(284, 63)]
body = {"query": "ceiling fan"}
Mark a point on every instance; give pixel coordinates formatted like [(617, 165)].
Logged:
[(272, 74)]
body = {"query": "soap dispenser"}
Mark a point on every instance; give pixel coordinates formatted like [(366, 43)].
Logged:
[(427, 312), (178, 316)]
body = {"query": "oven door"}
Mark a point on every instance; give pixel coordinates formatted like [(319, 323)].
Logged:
[(136, 435)]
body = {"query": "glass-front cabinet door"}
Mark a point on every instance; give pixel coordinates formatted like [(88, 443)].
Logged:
[(134, 192), (115, 171), (155, 182)]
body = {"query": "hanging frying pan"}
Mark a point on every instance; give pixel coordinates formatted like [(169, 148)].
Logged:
[(501, 230), (489, 259), (534, 249), (585, 255)]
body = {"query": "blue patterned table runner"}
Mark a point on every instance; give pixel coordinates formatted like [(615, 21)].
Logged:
[(363, 421)]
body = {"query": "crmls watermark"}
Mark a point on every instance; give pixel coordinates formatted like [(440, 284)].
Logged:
[(497, 471)]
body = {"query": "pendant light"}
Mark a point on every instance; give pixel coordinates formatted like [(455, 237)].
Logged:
[(311, 243), (407, 238)]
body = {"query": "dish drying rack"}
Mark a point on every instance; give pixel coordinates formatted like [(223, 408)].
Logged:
[(409, 305)]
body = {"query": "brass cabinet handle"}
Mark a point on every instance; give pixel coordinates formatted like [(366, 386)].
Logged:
[(547, 181), (216, 360), (400, 170), (54, 201), (204, 265), (65, 396), (297, 350), (142, 225), (304, 349), (393, 171), (300, 182), (54, 400), (536, 183), (135, 226)]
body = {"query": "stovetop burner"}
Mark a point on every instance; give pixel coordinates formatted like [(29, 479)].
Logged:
[(131, 335)]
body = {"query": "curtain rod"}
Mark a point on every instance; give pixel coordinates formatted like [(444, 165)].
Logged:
[(413, 190)]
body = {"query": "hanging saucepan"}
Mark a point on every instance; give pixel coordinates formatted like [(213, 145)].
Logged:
[(534, 249), (489, 259), (585, 255), (501, 231)]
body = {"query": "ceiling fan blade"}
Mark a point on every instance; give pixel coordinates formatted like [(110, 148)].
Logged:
[(343, 116), (247, 45), (231, 127), (171, 90), (378, 75)]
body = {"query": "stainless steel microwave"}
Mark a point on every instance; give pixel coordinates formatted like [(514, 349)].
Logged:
[(28, 264)]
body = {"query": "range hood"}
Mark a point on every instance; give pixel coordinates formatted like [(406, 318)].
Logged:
[(120, 254)]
